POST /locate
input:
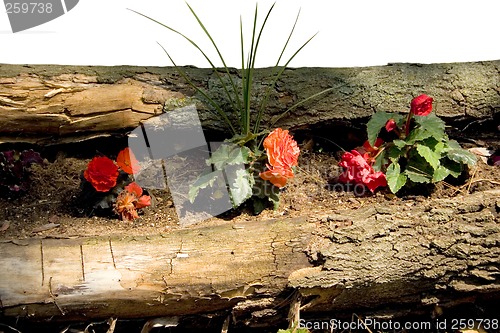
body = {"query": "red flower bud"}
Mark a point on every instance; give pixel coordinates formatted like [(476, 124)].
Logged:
[(390, 125), (421, 105)]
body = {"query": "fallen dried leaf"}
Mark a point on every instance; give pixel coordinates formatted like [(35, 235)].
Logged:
[(482, 153), (112, 325), (53, 219), (160, 322), (5, 226), (45, 227), (20, 242)]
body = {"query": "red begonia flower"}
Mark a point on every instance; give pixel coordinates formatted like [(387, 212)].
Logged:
[(357, 170), (421, 105), (127, 162), (369, 149), (370, 152), (102, 173), (282, 153)]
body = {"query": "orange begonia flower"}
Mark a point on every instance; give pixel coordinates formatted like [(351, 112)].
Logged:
[(143, 201), (278, 176), (127, 162), (281, 148), (125, 206), (282, 153), (134, 189), (129, 200)]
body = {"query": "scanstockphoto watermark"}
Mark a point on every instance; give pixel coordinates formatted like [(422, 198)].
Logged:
[(377, 325), (328, 177), (24, 15), (371, 324)]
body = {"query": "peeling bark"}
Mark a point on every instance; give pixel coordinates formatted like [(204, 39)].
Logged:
[(54, 104)]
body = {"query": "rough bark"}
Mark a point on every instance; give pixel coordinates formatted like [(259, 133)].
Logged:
[(54, 104), (387, 259)]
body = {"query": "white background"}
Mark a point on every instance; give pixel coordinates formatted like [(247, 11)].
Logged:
[(351, 33)]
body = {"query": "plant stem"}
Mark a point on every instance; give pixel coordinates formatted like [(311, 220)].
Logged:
[(407, 125)]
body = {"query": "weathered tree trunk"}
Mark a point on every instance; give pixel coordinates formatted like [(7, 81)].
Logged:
[(396, 260), (54, 104), (199, 270)]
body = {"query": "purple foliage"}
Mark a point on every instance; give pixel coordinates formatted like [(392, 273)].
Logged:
[(14, 168)]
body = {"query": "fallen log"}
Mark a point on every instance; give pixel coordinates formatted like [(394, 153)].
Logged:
[(390, 260), (199, 270), (54, 104)]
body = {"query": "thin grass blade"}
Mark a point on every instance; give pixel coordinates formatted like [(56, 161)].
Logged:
[(236, 106), (220, 112), (201, 51), (280, 72)]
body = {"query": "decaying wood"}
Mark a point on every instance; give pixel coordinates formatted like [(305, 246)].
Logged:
[(392, 259), (415, 256), (199, 270), (37, 108), (54, 104)]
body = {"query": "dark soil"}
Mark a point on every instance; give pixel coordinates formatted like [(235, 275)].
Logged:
[(54, 195)]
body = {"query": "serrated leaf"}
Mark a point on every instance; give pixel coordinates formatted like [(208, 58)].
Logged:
[(454, 168), (432, 124), (418, 169), (395, 179), (453, 144), (394, 153), (239, 155), (219, 157), (29, 157), (399, 143), (460, 155), (440, 174), (375, 124), (202, 182), (429, 155), (418, 134), (439, 147), (229, 154), (417, 176), (241, 187), (431, 142)]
